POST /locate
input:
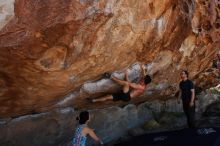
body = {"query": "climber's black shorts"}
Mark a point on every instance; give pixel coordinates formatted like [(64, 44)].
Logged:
[(121, 96)]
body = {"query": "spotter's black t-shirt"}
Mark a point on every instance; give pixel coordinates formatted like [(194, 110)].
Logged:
[(186, 87)]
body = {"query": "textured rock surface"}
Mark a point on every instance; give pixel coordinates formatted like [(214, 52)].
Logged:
[(49, 49), (208, 111), (56, 128), (6, 12)]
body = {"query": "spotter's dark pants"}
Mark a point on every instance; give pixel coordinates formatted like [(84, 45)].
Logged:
[(190, 114)]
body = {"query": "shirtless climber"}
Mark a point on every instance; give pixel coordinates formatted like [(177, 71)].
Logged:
[(129, 90)]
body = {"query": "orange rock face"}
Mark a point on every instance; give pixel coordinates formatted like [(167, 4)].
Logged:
[(49, 49)]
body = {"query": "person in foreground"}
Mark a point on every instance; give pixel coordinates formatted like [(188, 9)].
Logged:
[(187, 94), (83, 130), (129, 89)]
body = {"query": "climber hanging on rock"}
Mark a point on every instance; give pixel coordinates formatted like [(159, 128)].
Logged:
[(129, 90)]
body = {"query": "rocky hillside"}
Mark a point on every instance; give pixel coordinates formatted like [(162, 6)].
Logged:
[(53, 54), (51, 50)]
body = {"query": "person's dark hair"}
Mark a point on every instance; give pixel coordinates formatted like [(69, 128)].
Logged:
[(83, 117), (147, 79), (186, 72)]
